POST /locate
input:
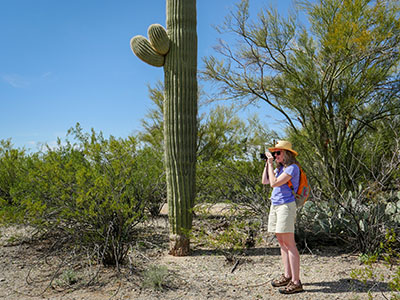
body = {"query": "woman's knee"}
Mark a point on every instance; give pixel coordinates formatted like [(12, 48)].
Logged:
[(281, 240), (279, 237), (286, 239)]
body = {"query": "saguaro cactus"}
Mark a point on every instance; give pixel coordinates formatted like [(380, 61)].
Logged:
[(176, 50)]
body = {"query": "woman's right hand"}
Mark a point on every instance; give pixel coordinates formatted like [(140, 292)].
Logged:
[(269, 156)]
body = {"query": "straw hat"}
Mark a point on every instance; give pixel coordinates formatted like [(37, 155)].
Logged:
[(283, 145)]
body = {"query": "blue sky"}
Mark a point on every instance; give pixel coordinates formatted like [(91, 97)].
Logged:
[(63, 62)]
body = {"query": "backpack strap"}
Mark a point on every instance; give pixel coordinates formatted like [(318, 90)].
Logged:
[(289, 183)]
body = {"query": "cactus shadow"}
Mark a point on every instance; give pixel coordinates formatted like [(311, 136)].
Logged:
[(258, 251), (346, 285)]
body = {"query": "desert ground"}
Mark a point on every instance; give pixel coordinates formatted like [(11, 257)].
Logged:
[(30, 272)]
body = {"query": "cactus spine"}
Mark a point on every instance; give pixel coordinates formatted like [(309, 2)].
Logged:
[(178, 54)]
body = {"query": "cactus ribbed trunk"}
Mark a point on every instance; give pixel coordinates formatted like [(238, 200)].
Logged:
[(176, 50), (180, 120)]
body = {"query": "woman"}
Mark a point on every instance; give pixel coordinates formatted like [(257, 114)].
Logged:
[(282, 214)]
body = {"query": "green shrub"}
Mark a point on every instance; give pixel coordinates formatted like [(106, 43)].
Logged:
[(360, 221), (67, 278), (234, 181), (151, 184), (12, 168), (229, 235), (156, 277), (92, 192), (391, 259)]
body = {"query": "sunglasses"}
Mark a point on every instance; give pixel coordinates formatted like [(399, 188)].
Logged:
[(276, 153)]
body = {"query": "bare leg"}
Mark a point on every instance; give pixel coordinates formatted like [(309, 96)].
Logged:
[(290, 256), (284, 256)]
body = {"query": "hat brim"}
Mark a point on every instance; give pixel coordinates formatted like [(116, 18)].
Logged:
[(276, 149)]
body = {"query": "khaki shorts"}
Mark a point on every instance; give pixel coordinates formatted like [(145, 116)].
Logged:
[(282, 218)]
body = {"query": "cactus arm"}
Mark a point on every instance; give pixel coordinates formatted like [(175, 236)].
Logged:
[(143, 50), (159, 38), (152, 51)]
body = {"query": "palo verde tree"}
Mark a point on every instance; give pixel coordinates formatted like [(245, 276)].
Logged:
[(176, 50), (332, 81), (227, 146)]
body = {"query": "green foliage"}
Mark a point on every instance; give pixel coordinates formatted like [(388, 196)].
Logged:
[(336, 84), (227, 147), (229, 168), (150, 182), (359, 222), (153, 125), (156, 277), (152, 137), (222, 135), (94, 192), (229, 235), (67, 278), (360, 214), (332, 83), (12, 167), (243, 187), (389, 251)]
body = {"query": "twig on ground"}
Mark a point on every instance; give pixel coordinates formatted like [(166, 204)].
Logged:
[(306, 246), (236, 265), (117, 291)]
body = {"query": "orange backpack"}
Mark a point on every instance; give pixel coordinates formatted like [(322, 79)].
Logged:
[(303, 190)]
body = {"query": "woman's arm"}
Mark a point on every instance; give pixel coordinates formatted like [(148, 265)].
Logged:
[(265, 179), (281, 180), (273, 180)]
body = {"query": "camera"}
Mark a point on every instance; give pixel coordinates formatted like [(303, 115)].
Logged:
[(263, 156)]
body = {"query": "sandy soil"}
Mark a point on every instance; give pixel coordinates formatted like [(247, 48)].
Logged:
[(26, 273)]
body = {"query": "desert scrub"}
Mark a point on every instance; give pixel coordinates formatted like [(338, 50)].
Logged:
[(92, 192), (229, 235), (156, 277), (391, 260), (67, 278), (13, 163)]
